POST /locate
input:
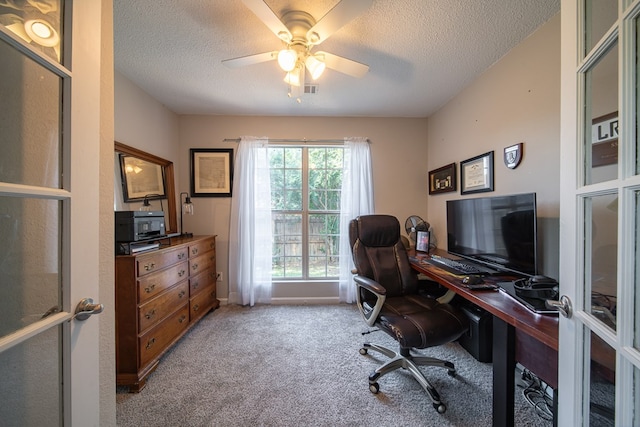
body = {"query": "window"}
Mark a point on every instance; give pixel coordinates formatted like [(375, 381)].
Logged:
[(305, 205)]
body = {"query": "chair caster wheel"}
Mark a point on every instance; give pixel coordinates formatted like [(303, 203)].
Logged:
[(452, 373), (440, 407), (363, 351), (374, 388)]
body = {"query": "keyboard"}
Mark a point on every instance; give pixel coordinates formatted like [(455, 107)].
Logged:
[(454, 266)]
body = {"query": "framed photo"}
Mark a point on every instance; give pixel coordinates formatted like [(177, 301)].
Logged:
[(422, 241), (443, 180), (211, 172), (476, 174), (140, 179)]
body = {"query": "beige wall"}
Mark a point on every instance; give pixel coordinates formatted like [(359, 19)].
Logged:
[(516, 100), (398, 149)]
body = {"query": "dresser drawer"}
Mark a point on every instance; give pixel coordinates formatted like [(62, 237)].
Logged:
[(152, 284), (156, 340), (158, 260), (200, 281), (158, 308), (202, 247), (201, 263), (201, 303)]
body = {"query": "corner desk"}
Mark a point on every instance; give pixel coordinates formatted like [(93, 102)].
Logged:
[(519, 335)]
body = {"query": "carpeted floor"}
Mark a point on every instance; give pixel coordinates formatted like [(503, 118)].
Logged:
[(300, 366)]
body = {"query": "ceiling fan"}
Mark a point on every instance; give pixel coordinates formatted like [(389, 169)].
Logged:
[(300, 33)]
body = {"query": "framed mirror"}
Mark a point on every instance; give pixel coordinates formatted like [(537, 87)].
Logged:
[(155, 180)]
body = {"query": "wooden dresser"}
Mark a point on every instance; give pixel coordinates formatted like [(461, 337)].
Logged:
[(159, 296)]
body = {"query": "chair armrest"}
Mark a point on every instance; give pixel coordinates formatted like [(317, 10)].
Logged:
[(370, 314)]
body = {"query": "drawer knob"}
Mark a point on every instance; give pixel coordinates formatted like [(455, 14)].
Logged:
[(181, 255), (181, 294), (150, 314), (194, 251), (195, 285), (182, 318), (150, 288), (181, 273), (194, 267), (149, 266), (150, 343), (196, 307)]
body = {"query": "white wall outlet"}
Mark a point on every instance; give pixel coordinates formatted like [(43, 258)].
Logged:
[(219, 276)]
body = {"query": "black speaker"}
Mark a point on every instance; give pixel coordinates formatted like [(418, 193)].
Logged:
[(478, 340)]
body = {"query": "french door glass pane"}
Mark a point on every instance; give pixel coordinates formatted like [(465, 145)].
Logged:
[(637, 62), (31, 386), (601, 121), (37, 23), (30, 121), (636, 270), (29, 260), (599, 17), (602, 237), (602, 372)]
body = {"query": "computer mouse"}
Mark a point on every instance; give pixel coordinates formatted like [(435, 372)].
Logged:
[(472, 280)]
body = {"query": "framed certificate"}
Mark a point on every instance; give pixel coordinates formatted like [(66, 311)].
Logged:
[(476, 174)]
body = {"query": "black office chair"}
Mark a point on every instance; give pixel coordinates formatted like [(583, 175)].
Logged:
[(387, 298)]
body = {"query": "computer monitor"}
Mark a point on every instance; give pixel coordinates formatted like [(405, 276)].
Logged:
[(498, 231)]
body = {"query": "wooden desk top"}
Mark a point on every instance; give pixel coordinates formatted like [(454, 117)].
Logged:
[(542, 327)]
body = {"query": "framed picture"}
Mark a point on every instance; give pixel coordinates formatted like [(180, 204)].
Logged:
[(422, 241), (476, 174), (211, 172), (442, 180), (141, 179)]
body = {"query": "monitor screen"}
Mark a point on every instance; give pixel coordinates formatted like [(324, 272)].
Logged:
[(496, 231)]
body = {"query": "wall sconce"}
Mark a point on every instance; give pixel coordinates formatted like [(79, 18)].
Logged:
[(186, 207)]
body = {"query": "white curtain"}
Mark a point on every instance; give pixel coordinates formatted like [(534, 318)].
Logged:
[(250, 225), (356, 199)]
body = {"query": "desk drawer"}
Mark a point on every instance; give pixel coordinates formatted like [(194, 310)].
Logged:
[(158, 308), (156, 340), (151, 285)]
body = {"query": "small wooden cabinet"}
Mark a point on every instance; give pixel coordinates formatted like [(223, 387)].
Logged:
[(159, 296)]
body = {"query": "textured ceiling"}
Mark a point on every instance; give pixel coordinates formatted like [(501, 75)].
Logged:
[(421, 53)]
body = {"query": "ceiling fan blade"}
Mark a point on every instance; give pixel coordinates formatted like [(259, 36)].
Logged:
[(270, 19), (243, 61), (344, 65), (336, 18)]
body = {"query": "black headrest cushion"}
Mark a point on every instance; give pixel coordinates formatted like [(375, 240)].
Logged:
[(378, 230)]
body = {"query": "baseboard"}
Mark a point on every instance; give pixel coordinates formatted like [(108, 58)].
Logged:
[(305, 300)]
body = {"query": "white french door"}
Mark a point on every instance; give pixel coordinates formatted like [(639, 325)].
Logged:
[(599, 360), (49, 162)]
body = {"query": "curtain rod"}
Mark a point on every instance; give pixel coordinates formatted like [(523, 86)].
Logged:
[(304, 140)]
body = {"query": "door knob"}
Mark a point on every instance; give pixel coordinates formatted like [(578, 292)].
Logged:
[(86, 308), (563, 305)]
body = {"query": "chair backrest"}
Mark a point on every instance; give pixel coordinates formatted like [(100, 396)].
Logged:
[(378, 253)]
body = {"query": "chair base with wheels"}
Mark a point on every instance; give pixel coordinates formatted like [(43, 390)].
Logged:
[(406, 360)]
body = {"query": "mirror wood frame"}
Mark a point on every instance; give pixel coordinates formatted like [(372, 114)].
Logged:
[(172, 223)]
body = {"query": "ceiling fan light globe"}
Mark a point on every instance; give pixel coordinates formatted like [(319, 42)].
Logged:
[(315, 66), (287, 59), (293, 77)]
